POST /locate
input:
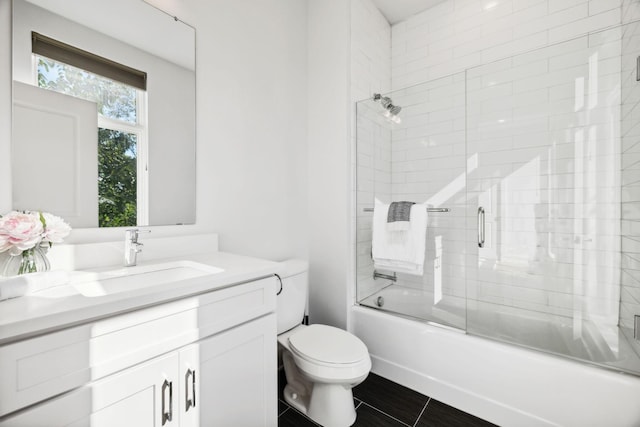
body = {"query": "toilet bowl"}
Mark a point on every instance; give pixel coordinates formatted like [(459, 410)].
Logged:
[(322, 363)]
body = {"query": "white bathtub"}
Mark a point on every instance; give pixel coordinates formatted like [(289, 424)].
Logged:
[(504, 384)]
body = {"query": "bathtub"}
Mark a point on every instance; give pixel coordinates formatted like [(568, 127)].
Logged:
[(505, 384)]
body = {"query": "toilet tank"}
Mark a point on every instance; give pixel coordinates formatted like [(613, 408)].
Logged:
[(291, 302)]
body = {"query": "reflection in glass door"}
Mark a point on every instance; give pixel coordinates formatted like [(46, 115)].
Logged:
[(543, 170)]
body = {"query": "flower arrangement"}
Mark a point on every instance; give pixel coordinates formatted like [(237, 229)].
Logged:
[(25, 233)]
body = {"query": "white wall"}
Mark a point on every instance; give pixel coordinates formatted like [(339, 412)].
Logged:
[(328, 160), (346, 64), (251, 123)]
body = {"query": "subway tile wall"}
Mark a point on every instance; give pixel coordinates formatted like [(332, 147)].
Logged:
[(370, 51), (630, 10), (459, 34), (370, 73)]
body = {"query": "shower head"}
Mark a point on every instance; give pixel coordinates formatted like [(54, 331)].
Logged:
[(394, 109), (387, 104)]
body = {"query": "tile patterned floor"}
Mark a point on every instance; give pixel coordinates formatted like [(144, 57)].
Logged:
[(383, 403)]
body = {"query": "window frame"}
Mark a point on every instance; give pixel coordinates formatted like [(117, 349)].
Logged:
[(140, 129)]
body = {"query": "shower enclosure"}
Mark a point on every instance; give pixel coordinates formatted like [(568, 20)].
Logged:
[(530, 168)]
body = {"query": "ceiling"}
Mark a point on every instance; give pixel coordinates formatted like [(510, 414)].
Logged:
[(398, 10)]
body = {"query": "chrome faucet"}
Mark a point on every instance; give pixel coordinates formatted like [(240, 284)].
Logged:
[(131, 246)]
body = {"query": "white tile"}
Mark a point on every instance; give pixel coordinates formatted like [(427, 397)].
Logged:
[(599, 6), (526, 4), (585, 25), (568, 15)]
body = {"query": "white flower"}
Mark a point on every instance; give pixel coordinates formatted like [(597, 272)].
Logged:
[(55, 229), (20, 231), (4, 242)]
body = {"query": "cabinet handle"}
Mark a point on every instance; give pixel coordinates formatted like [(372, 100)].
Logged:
[(481, 227), (189, 403), (167, 416)]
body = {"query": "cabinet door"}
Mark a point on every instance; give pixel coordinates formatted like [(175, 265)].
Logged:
[(189, 397), (141, 396), (235, 378)]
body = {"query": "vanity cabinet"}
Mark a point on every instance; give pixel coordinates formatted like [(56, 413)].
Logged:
[(133, 397), (224, 380), (202, 361)]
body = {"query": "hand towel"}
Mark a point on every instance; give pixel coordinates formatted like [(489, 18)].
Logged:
[(399, 216), (400, 251), (24, 284)]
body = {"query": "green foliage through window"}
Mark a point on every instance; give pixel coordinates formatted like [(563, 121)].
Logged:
[(117, 169)]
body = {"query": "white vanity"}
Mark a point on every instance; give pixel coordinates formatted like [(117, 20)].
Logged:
[(186, 341)]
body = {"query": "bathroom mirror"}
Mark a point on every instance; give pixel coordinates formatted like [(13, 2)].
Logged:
[(94, 150)]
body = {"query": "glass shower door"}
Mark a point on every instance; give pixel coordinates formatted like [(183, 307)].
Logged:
[(416, 155), (543, 169)]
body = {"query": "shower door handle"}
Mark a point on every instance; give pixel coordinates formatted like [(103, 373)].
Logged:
[(481, 227)]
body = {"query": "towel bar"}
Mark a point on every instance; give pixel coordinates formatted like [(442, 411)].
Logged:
[(428, 210), (377, 275)]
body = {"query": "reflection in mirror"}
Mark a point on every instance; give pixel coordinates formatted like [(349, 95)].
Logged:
[(121, 190), (114, 151)]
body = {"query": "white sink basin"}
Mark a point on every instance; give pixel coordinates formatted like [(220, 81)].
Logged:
[(101, 283)]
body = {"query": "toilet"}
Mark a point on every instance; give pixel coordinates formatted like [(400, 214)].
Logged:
[(321, 363)]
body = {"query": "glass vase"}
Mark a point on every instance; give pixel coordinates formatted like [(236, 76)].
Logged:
[(32, 260)]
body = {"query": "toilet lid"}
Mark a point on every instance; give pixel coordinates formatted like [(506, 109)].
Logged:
[(328, 344)]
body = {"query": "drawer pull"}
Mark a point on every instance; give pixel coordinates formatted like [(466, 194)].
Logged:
[(190, 403), (167, 416)]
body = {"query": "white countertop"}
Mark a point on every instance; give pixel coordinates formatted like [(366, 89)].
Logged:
[(36, 314)]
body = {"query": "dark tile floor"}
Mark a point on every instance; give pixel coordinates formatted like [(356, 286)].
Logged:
[(383, 403)]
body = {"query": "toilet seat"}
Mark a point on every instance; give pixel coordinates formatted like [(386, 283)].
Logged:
[(328, 346), (329, 354)]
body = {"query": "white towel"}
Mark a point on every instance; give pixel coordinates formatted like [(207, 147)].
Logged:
[(24, 284), (400, 251)]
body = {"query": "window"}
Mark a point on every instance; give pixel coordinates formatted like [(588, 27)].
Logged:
[(122, 130)]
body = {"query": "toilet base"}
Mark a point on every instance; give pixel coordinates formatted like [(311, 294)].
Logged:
[(330, 405), (321, 392), (295, 400)]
